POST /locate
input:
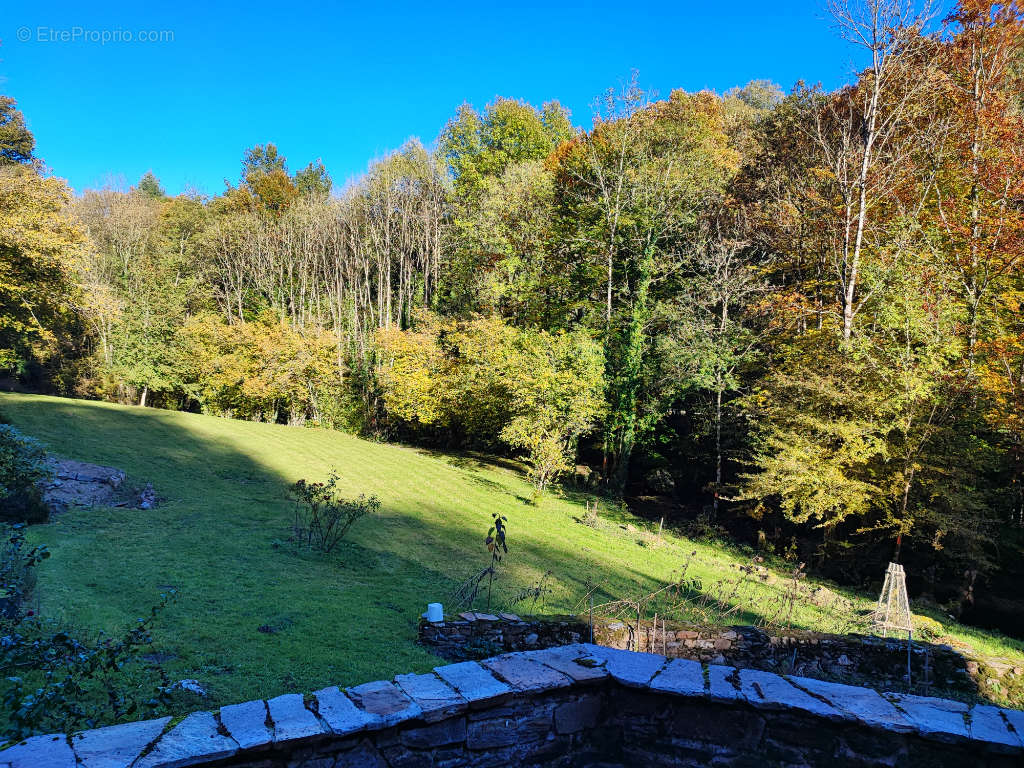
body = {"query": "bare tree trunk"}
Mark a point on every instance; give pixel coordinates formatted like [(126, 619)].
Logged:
[(890, 30), (862, 215), (718, 445)]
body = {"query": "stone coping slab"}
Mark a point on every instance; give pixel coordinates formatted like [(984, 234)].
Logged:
[(724, 683), (526, 675), (438, 708), (116, 746), (680, 676), (770, 691), (195, 740), (247, 724), (988, 724), (386, 700), (341, 715), (573, 660), (292, 721), (50, 750), (628, 667), (861, 704), (474, 683), (435, 698)]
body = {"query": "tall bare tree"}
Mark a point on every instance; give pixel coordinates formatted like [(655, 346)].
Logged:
[(869, 119)]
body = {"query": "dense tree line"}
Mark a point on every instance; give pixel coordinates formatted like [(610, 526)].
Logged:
[(801, 313)]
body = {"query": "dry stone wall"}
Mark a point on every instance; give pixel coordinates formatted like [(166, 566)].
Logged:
[(856, 659), (574, 706)]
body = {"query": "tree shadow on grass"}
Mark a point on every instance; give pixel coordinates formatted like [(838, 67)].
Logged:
[(473, 460), (350, 622)]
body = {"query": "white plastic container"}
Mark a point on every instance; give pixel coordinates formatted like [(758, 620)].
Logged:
[(435, 612)]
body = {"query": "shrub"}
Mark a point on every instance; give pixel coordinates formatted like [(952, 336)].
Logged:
[(22, 468), (322, 518), (17, 562), (51, 680)]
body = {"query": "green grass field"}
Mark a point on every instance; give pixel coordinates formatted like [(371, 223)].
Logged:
[(220, 537)]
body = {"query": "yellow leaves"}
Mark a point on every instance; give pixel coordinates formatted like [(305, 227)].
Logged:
[(411, 375), (256, 369), (33, 215), (38, 242), (530, 389)]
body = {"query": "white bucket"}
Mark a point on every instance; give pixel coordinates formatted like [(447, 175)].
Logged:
[(435, 612)]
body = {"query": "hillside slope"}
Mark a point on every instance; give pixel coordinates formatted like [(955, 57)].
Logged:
[(257, 617)]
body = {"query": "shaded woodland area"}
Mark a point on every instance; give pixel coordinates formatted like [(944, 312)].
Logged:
[(790, 318)]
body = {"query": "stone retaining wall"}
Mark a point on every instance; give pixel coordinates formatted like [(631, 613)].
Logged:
[(574, 706), (479, 635), (856, 659)]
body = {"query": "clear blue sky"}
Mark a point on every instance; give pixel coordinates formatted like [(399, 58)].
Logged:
[(346, 82)]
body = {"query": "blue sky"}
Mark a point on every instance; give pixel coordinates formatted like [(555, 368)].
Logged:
[(346, 82)]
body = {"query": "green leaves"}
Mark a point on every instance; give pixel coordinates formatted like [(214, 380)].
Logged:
[(495, 540), (63, 683), (16, 142), (322, 517), (480, 145), (491, 382), (23, 466)]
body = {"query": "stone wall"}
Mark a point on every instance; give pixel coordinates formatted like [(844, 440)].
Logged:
[(580, 705), (479, 635), (856, 659)]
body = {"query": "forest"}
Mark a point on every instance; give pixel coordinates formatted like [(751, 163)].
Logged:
[(792, 318)]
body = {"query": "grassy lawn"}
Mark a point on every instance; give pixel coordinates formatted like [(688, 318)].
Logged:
[(220, 536)]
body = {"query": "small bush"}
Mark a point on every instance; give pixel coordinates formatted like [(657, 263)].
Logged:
[(322, 518), (17, 562), (22, 468), (53, 678)]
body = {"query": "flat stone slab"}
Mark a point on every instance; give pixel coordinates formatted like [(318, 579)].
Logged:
[(682, 677), (525, 674), (247, 724), (1016, 719), (936, 718), (291, 719), (573, 660), (435, 698), (341, 715), (386, 700), (861, 704), (477, 616), (988, 725), (77, 482), (116, 746), (51, 750), (474, 683), (724, 683), (194, 740), (767, 690), (628, 667), (430, 705)]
